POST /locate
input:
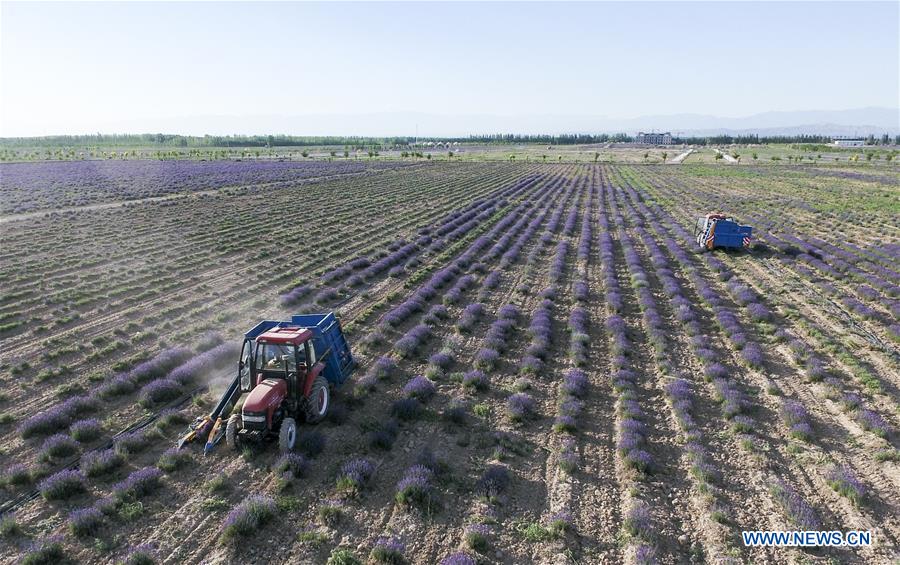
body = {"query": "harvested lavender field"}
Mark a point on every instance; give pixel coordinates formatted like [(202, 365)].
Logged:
[(550, 371)]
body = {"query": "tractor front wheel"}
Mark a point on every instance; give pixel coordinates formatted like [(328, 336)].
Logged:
[(287, 436), (231, 432), (319, 400)]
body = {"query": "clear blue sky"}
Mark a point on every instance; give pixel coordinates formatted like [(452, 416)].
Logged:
[(87, 67)]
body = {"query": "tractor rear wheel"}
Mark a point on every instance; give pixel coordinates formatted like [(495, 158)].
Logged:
[(319, 400), (287, 436), (231, 432)]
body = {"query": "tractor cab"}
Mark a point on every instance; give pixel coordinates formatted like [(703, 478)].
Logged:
[(281, 353)]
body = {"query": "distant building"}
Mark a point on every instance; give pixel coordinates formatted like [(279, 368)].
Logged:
[(849, 142), (654, 138)]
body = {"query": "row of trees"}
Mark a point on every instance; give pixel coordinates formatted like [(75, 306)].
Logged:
[(380, 144)]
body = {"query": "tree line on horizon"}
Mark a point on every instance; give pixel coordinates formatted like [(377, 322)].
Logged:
[(362, 143)]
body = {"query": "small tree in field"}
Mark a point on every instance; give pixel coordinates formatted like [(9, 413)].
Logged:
[(305, 153), (596, 156), (333, 153), (665, 155), (346, 154), (718, 156), (646, 155), (544, 157), (755, 156), (449, 154)]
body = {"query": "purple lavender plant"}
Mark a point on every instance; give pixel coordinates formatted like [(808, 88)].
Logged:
[(475, 380), (575, 383), (795, 508), (85, 430), (355, 474), (99, 463), (842, 480), (493, 481), (85, 521), (62, 485), (415, 488), (388, 550), (247, 517), (139, 484), (476, 537), (458, 558), (519, 406), (420, 388), (56, 446)]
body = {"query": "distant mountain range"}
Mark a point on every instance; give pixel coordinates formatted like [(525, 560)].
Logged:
[(860, 121)]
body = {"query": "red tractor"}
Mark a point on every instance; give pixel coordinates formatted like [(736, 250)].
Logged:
[(287, 370)]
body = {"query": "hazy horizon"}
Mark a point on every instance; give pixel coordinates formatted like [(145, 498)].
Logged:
[(442, 68)]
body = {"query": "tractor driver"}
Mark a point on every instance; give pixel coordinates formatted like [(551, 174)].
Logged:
[(276, 356)]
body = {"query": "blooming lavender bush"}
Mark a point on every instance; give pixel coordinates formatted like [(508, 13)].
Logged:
[(475, 380), (384, 368), (159, 391), (388, 550), (62, 485), (16, 474), (44, 551), (561, 522), (842, 480), (568, 455), (796, 418), (85, 430), (56, 446), (476, 537), (638, 523), (458, 558), (470, 316), (138, 484), (519, 406), (575, 383), (85, 521), (530, 365), (752, 355), (415, 488), (442, 359), (59, 416), (493, 481), (292, 463), (247, 517), (204, 363), (795, 508), (355, 474), (143, 554), (173, 459), (99, 463), (130, 443), (160, 364), (420, 388), (871, 421), (486, 359)]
